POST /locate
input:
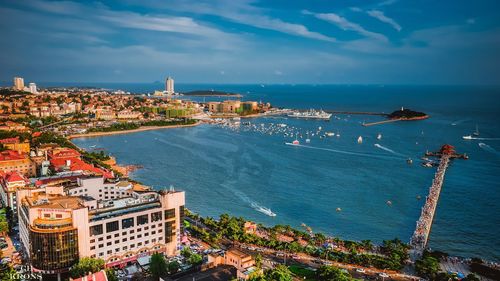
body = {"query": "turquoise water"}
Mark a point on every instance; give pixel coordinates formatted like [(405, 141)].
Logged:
[(238, 171)]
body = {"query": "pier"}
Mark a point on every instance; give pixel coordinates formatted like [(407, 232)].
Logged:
[(357, 112), (380, 122), (420, 237)]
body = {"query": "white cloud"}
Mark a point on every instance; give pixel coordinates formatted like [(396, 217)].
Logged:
[(387, 2), (383, 18), (242, 12), (345, 24)]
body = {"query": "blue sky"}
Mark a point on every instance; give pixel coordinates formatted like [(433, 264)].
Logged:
[(246, 41)]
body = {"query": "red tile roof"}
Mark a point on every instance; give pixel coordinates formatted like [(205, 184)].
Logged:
[(8, 155), (10, 140), (64, 153)]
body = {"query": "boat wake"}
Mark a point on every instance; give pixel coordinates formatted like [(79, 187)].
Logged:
[(454, 123), (487, 148), (387, 149), (263, 210), (256, 206), (349, 152), (490, 139)]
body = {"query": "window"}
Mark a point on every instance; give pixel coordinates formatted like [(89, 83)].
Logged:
[(124, 233), (112, 226), (108, 237), (132, 237), (109, 252), (101, 245), (100, 239), (46, 215), (142, 219), (126, 223), (117, 234), (58, 216), (169, 231), (132, 245), (124, 248), (153, 232), (124, 239), (92, 248), (92, 240), (170, 213), (139, 236), (156, 216), (117, 241), (108, 244), (96, 230)]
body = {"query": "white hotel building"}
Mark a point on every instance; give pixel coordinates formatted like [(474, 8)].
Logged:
[(60, 223)]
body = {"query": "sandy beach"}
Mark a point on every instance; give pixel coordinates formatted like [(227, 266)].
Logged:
[(145, 128)]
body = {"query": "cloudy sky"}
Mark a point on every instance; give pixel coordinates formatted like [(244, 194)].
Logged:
[(247, 41)]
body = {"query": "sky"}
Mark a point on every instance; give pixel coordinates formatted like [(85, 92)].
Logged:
[(450, 42)]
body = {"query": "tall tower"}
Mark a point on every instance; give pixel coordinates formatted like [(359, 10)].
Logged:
[(18, 83), (33, 89), (169, 85)]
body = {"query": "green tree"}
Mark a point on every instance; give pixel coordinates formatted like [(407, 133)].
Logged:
[(331, 273), (186, 252), (173, 267), (195, 259), (471, 277), (158, 265), (86, 265), (110, 273), (427, 267), (279, 273), (258, 261)]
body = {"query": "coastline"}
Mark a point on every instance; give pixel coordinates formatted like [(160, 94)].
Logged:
[(141, 129)]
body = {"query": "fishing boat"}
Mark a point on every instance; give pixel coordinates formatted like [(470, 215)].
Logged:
[(360, 139)]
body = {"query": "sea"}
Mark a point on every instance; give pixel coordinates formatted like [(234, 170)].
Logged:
[(334, 185)]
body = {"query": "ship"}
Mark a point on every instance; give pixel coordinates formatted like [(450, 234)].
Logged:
[(474, 134), (311, 114), (360, 139), (263, 210)]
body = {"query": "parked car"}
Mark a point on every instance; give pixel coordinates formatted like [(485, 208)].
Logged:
[(360, 270)]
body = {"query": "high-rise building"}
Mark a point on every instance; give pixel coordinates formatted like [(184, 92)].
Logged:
[(33, 89), (60, 223), (18, 83), (169, 85)]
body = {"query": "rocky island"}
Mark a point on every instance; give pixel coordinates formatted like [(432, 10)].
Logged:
[(407, 114)]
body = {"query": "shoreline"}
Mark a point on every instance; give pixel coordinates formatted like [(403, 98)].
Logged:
[(141, 129)]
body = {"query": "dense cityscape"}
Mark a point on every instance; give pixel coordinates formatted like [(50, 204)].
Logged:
[(69, 211), (224, 140)]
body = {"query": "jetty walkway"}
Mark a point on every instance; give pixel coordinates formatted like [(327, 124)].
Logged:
[(420, 237)]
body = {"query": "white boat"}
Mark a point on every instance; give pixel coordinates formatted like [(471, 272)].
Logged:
[(311, 114), (379, 136), (474, 134), (329, 134), (263, 210), (308, 140), (360, 139)]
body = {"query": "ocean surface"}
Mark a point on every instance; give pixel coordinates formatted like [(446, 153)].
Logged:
[(243, 171)]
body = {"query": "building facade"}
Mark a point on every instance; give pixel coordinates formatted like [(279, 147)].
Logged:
[(11, 160), (169, 85), (18, 84), (128, 225)]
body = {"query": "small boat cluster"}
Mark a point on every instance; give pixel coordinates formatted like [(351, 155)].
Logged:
[(278, 129)]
